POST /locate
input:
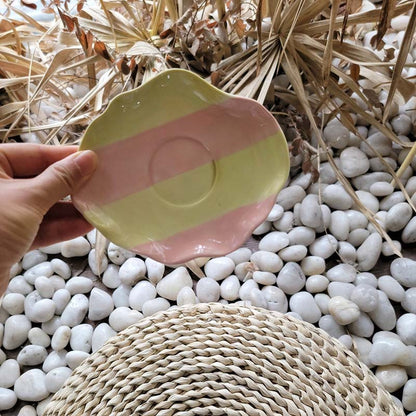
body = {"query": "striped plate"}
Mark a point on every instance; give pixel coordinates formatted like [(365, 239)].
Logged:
[(184, 169)]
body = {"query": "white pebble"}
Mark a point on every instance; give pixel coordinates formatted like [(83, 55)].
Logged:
[(266, 261), (339, 225), (289, 196), (365, 297), (346, 340), (141, 293), (368, 200), (61, 338), (132, 270), (123, 317), (56, 378), (304, 304), (276, 299), (44, 287), (81, 338), (51, 326), (186, 295), (121, 296), (329, 325), (7, 399), (364, 182), (324, 246), (409, 395), (406, 328), (102, 333), (30, 386), (230, 288), (77, 247), (398, 216), (322, 300), (387, 350), (381, 189), (111, 278), (258, 299), (155, 270), (275, 213), (118, 255), (74, 358), (336, 197), (336, 134), (347, 252), (341, 273), (16, 330), (52, 249), (392, 377), (310, 212), (291, 278), (37, 336), (100, 305), (32, 355), (74, 313), (208, 290), (79, 284), (57, 282), (343, 310), (32, 258), (384, 315), (404, 271), (246, 289), (399, 22), (379, 142), (369, 252), (219, 268), (363, 347), (61, 268), (312, 265), (9, 373), (241, 255), (356, 219), (409, 232), (285, 224), (13, 303), (391, 288), (264, 278), (362, 327), (293, 253), (366, 278), (353, 162), (55, 359), (61, 298), (263, 228), (152, 306), (41, 269), (301, 235), (387, 249), (340, 289), (19, 285), (393, 199), (316, 283), (97, 269)]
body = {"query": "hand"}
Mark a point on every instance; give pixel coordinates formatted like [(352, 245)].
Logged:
[(33, 180)]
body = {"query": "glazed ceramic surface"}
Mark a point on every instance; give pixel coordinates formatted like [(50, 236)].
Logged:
[(184, 169)]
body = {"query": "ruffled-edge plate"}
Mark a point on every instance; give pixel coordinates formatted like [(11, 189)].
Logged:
[(184, 170)]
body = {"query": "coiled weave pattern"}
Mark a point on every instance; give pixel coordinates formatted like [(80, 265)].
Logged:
[(213, 359)]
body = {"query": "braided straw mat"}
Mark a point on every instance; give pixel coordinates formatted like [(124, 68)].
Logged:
[(214, 359)]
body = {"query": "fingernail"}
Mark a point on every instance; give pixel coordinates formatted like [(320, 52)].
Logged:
[(86, 162)]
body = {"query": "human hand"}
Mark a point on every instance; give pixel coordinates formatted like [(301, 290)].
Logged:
[(33, 180)]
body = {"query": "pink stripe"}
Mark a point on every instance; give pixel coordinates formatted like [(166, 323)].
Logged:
[(223, 128), (220, 236)]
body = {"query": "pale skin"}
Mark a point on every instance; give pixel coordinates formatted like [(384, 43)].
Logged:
[(33, 181)]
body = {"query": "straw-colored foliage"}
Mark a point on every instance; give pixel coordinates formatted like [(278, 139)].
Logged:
[(58, 75)]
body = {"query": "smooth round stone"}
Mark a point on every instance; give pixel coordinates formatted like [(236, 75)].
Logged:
[(275, 213), (289, 196), (52, 249), (312, 265), (379, 142), (322, 300), (79, 284), (61, 298), (153, 306), (406, 328), (77, 247), (341, 273), (123, 317), (102, 333), (74, 313), (258, 299), (329, 325), (101, 304), (61, 268), (368, 200), (336, 134), (56, 378), (186, 296), (3, 316), (404, 271), (387, 350), (301, 235), (173, 282), (326, 219), (264, 278), (41, 269), (363, 347), (384, 315), (30, 386), (324, 246), (391, 200), (365, 297), (402, 123), (377, 165), (339, 225), (263, 228), (347, 252), (32, 355), (356, 219), (57, 282), (97, 269), (285, 224), (399, 23), (302, 179), (44, 287), (111, 279), (230, 288), (61, 338), (380, 189), (15, 270), (132, 270), (346, 340), (43, 310), (246, 289), (310, 212), (13, 303), (366, 278), (275, 298), (316, 283), (74, 358), (364, 182), (121, 296), (362, 327), (327, 174), (155, 270), (141, 293), (353, 162), (55, 359), (27, 411), (391, 288), (409, 395), (369, 252), (81, 338), (392, 377), (291, 278), (294, 315), (219, 268), (274, 242), (241, 255), (208, 290), (7, 399), (293, 253), (30, 301), (32, 258), (19, 285), (9, 373), (51, 326), (118, 255), (409, 232), (37, 336), (267, 261), (387, 250), (16, 329), (411, 186), (340, 289), (343, 310), (336, 197), (304, 304)]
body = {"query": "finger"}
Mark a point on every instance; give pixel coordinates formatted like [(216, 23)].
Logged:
[(61, 179), (23, 160)]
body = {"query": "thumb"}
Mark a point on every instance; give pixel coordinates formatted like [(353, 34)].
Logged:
[(64, 177)]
